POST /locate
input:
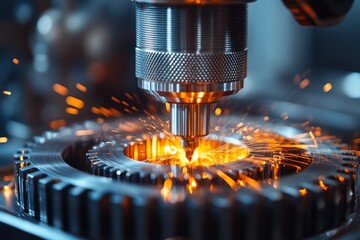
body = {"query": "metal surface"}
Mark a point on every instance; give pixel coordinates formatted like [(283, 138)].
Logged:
[(53, 187), (190, 54)]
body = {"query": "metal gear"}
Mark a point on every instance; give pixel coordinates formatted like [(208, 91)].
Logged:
[(53, 187)]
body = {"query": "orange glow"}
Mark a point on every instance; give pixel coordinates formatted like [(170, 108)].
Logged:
[(72, 111), (327, 87), (16, 61), (84, 132), (218, 111), (166, 189), (323, 186), (75, 102), (341, 179), (303, 191), (227, 179), (56, 124), (266, 118), (192, 185), (60, 89), (3, 139), (7, 92), (169, 151), (161, 147), (81, 87), (167, 106), (304, 83), (115, 99)]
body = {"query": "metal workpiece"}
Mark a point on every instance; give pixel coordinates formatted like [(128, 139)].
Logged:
[(124, 196)]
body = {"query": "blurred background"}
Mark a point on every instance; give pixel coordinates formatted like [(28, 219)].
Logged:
[(65, 61)]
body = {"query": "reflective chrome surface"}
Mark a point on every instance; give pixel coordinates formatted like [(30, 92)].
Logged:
[(190, 56), (190, 119)]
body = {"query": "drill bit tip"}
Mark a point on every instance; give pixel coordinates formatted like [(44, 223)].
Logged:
[(189, 144)]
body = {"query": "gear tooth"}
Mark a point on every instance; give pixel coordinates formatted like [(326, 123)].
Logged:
[(18, 180), (121, 175), (335, 207), (99, 216), (77, 211), (59, 205), (21, 157), (45, 199), (90, 164), (133, 177), (317, 211), (348, 153), (273, 214), (48, 135), (98, 168), (156, 179), (295, 201), (343, 198), (144, 178), (23, 151), (122, 217), (112, 173), (350, 158), (22, 183), (247, 211), (350, 164), (32, 189), (197, 218), (222, 217), (146, 219), (106, 171), (353, 173), (39, 139), (172, 219), (30, 145)]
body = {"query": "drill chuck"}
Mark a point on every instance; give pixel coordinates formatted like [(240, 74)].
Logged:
[(191, 54)]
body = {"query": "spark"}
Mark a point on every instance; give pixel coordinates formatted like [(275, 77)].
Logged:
[(227, 179), (192, 185), (218, 111), (60, 89), (81, 87), (303, 191), (72, 111), (304, 83), (56, 124), (75, 102), (167, 107), (7, 92), (166, 189), (3, 139), (115, 99), (84, 132), (323, 186), (16, 61), (327, 87)]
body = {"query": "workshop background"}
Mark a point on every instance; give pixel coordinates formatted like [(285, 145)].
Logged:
[(63, 62)]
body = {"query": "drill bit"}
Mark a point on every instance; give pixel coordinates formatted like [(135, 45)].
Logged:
[(189, 144)]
